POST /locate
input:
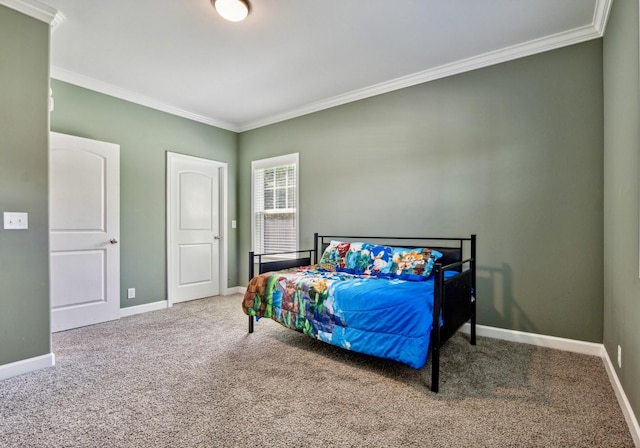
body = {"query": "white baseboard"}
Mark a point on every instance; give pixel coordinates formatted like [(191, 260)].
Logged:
[(27, 365), (570, 345), (163, 304), (627, 410), (234, 290), (138, 309)]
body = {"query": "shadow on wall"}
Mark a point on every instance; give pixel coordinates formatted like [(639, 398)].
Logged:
[(497, 306)]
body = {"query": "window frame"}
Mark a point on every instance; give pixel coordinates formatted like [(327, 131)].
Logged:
[(273, 162)]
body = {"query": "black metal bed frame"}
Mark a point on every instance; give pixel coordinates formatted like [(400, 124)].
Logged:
[(454, 297)]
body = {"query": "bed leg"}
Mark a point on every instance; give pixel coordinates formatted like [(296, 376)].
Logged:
[(250, 324), (473, 323), (438, 289), (435, 369), (473, 289)]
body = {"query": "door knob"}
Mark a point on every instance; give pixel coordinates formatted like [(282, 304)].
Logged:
[(216, 237), (113, 241)]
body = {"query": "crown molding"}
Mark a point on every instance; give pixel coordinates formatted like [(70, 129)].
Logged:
[(57, 20), (36, 9), (601, 15), (582, 34), (552, 42), (133, 97)]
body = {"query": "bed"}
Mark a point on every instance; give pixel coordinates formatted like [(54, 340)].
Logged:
[(399, 298)]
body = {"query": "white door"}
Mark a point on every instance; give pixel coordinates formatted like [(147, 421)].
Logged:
[(193, 222), (84, 223)]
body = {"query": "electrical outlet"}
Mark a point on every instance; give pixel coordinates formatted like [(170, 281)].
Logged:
[(16, 220), (131, 293), (619, 357)]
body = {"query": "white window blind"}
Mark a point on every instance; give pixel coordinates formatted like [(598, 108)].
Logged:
[(275, 204)]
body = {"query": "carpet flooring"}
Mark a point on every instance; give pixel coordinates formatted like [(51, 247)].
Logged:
[(191, 376)]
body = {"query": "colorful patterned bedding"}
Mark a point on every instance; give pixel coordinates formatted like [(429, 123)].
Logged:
[(386, 317)]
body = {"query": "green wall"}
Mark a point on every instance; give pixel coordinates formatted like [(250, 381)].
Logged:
[(621, 209), (512, 152), (24, 123), (144, 136)]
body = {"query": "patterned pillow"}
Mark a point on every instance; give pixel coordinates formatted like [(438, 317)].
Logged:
[(380, 260), (334, 256), (358, 258), (413, 264), (431, 255)]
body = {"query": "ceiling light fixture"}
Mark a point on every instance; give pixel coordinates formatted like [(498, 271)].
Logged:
[(232, 10)]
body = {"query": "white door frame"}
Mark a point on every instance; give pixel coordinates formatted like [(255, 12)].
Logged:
[(224, 196)]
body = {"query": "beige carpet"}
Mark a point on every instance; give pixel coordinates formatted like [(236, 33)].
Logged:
[(191, 376)]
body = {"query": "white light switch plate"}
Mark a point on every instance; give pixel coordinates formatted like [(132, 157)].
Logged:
[(14, 220)]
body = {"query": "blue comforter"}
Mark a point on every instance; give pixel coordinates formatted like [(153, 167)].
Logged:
[(389, 318)]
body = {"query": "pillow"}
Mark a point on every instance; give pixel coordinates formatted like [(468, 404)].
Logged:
[(380, 260), (412, 264), (431, 256), (334, 256), (358, 258)]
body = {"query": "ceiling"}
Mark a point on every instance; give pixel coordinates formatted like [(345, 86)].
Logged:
[(292, 57)]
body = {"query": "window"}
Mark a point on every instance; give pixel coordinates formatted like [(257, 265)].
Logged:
[(275, 204)]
